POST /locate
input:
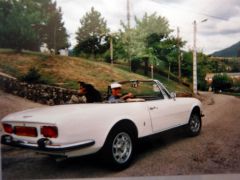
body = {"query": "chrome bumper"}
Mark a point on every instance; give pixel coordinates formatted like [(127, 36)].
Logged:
[(44, 144)]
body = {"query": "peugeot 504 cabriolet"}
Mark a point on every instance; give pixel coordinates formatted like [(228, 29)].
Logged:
[(110, 128)]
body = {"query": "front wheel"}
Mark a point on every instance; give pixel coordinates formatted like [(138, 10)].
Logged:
[(194, 125), (119, 148)]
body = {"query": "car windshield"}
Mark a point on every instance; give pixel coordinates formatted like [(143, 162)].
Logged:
[(141, 91)]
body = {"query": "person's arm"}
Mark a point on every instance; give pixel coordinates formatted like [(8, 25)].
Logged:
[(126, 96)]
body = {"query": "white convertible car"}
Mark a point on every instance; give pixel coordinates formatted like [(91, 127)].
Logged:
[(109, 128)]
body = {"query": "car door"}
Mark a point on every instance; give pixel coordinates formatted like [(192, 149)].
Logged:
[(162, 114), (165, 112)]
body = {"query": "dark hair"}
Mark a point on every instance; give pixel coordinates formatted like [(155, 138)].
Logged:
[(92, 94)]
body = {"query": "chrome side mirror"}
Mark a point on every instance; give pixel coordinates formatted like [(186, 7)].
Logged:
[(173, 95)]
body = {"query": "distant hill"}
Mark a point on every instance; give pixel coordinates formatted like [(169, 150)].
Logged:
[(232, 51)]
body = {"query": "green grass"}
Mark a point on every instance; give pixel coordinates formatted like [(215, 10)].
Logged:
[(6, 50), (67, 71), (70, 84), (172, 86), (10, 70)]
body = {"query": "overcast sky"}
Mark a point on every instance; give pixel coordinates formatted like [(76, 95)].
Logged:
[(221, 30)]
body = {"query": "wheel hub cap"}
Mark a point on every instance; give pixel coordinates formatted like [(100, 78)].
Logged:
[(122, 147), (195, 124)]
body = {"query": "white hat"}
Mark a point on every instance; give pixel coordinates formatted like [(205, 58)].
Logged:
[(115, 85)]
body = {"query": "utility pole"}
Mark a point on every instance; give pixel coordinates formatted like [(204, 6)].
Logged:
[(195, 55), (128, 14), (111, 49), (179, 55), (151, 71), (194, 58), (128, 35)]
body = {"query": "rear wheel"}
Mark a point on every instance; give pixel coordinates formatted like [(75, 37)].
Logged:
[(119, 148), (194, 125)]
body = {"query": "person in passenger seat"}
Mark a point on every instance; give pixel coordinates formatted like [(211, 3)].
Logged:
[(92, 95)]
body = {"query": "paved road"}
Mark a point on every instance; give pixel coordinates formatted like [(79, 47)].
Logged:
[(215, 151)]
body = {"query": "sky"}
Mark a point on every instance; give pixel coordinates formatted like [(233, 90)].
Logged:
[(221, 30)]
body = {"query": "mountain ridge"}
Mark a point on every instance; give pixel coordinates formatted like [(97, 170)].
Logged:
[(231, 51)]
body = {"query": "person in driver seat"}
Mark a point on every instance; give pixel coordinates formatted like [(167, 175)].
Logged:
[(116, 95)]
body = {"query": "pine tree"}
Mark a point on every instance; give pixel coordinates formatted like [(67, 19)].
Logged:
[(91, 34), (54, 32)]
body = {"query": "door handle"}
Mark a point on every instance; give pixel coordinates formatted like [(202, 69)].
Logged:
[(153, 107)]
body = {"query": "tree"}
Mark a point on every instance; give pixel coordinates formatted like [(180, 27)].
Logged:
[(203, 67), (16, 20), (148, 34), (221, 82), (235, 65), (26, 24), (54, 32), (91, 35), (150, 40)]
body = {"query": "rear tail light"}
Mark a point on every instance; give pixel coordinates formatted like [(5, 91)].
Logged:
[(8, 128), (25, 131), (49, 131)]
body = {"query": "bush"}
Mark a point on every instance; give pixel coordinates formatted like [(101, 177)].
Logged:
[(33, 76), (221, 82), (202, 85), (107, 57), (135, 64)]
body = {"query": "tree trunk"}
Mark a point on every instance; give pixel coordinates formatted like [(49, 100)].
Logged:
[(145, 59), (169, 70)]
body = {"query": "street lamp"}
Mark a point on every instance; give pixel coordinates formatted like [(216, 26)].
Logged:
[(195, 56)]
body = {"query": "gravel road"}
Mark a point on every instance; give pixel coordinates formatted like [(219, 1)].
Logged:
[(215, 151)]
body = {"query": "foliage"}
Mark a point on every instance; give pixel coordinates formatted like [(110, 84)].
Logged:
[(22, 24), (16, 18), (150, 40), (33, 76), (55, 35), (135, 64), (91, 35), (187, 65), (119, 48), (225, 64), (204, 66), (235, 64), (144, 39), (202, 85), (221, 82)]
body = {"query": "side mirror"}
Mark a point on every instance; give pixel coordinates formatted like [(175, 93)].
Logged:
[(173, 95)]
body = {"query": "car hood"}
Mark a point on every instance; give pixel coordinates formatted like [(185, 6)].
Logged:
[(49, 114)]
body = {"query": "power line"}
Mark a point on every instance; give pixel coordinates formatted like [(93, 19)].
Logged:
[(189, 10)]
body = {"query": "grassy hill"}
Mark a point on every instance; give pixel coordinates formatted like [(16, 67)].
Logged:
[(66, 71)]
